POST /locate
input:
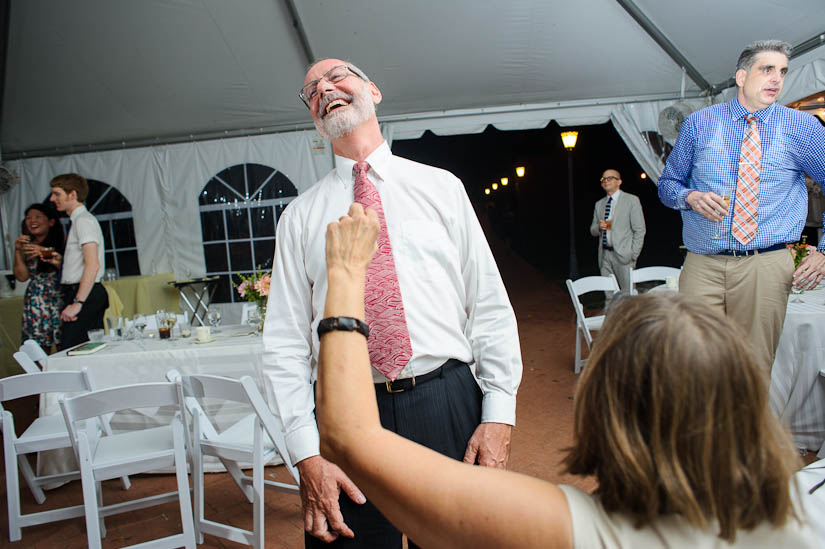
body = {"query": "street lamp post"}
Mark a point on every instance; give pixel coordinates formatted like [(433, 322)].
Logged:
[(569, 141)]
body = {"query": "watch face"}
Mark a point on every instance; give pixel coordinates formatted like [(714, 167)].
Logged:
[(346, 323)]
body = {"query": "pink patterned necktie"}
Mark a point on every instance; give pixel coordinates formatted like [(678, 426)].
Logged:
[(389, 341), (746, 206)]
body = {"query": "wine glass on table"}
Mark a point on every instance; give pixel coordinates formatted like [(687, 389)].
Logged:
[(171, 320), (213, 317), (140, 323), (718, 234)]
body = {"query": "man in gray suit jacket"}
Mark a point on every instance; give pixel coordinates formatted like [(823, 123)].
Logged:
[(619, 224)]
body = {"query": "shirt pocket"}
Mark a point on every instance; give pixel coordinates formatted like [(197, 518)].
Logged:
[(429, 250)]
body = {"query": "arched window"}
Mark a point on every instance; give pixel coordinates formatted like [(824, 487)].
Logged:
[(114, 213), (239, 210)]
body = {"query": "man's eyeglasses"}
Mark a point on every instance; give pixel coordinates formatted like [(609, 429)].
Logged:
[(333, 76), (608, 178)]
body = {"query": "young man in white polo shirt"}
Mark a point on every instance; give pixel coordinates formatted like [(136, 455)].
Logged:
[(85, 298)]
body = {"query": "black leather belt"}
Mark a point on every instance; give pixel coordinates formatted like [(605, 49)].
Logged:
[(75, 286), (409, 383), (608, 248), (745, 253)]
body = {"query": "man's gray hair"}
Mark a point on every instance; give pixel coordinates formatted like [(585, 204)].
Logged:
[(748, 55)]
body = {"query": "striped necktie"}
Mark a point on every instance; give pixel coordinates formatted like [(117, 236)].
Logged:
[(389, 342), (606, 217), (746, 207)]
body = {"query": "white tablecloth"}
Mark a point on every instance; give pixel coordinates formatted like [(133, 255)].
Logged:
[(797, 388), (234, 353)]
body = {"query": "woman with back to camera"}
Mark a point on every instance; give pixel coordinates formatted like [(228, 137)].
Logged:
[(672, 418), (38, 252)]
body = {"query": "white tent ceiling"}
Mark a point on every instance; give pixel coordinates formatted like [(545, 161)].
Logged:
[(92, 74)]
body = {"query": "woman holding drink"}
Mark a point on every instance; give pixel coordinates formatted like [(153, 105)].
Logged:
[(37, 258)]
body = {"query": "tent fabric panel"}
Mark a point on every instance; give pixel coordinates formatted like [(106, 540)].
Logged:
[(467, 55), (702, 29), (86, 71)]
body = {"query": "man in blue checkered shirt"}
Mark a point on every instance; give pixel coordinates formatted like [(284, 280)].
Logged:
[(748, 282)]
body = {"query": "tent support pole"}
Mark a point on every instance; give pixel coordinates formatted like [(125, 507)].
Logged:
[(299, 29)]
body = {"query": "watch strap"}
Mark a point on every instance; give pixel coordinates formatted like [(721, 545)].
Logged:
[(343, 323)]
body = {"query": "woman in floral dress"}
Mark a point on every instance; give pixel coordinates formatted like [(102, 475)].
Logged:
[(37, 256)]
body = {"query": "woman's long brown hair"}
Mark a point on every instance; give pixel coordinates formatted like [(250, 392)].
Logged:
[(672, 417)]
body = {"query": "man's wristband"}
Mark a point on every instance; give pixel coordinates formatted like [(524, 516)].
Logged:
[(344, 323)]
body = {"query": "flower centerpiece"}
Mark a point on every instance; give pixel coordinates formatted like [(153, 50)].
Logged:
[(255, 289), (800, 250)]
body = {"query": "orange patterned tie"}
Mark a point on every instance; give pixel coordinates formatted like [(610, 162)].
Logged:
[(746, 207), (389, 342)]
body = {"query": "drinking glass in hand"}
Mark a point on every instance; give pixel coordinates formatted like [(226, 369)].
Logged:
[(718, 234)]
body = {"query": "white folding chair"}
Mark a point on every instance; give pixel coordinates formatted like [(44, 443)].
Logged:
[(586, 324), (646, 274), (255, 439), (45, 433), (141, 451), (25, 362), (35, 352)]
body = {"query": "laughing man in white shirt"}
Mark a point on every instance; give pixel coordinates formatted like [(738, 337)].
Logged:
[(457, 392)]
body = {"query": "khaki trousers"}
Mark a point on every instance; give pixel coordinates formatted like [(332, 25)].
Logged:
[(752, 290)]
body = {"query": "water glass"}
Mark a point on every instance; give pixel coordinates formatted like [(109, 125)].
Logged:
[(213, 317), (140, 323)]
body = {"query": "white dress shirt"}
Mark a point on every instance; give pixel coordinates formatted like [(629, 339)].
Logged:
[(85, 229), (454, 300)]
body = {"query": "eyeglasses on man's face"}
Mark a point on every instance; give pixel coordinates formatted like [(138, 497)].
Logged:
[(333, 76), (608, 178)]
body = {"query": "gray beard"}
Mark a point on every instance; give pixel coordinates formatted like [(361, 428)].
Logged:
[(338, 124)]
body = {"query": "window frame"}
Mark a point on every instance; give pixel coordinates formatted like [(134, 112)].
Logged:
[(248, 202)]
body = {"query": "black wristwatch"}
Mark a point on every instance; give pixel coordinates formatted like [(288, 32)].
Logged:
[(75, 300), (345, 323)]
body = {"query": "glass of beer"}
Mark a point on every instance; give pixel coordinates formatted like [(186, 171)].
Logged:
[(164, 329)]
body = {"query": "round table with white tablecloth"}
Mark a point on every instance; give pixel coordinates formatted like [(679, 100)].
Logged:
[(798, 373), (235, 352)]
